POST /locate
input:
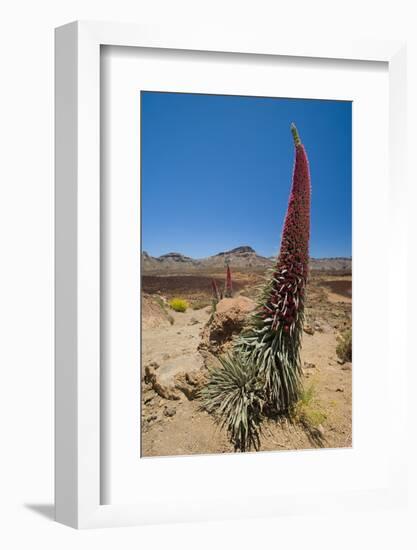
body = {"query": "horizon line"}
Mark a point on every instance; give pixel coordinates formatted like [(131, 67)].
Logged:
[(230, 251)]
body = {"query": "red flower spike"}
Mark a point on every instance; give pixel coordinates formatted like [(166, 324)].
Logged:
[(216, 294), (228, 289), (292, 264)]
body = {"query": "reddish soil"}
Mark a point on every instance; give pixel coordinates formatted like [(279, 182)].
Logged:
[(181, 284), (339, 286)]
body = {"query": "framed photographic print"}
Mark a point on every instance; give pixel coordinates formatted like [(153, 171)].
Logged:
[(221, 204)]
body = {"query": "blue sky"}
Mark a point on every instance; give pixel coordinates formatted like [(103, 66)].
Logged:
[(216, 172)]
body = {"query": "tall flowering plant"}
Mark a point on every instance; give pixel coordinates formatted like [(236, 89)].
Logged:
[(215, 290), (273, 341), (264, 371), (228, 287)]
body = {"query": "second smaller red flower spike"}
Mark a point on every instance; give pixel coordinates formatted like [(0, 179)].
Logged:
[(216, 294), (228, 290)]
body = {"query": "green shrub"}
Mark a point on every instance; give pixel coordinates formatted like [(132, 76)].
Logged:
[(308, 408), (344, 346), (308, 413), (177, 304)]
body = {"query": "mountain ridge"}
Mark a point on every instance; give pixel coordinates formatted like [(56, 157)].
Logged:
[(243, 257)]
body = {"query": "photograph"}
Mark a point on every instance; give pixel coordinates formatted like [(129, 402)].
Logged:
[(208, 266), (246, 273)]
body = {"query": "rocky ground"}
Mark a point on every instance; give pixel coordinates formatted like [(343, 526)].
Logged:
[(177, 347)]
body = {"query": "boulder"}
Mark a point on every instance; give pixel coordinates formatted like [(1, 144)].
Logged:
[(190, 383), (161, 379), (229, 319), (181, 376)]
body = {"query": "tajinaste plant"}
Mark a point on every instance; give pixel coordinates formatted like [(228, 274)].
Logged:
[(273, 341), (228, 287), (263, 373), (216, 293)]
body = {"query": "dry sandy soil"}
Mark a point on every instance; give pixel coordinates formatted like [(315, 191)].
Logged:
[(177, 426)]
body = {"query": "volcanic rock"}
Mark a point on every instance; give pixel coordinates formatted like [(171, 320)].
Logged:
[(227, 322)]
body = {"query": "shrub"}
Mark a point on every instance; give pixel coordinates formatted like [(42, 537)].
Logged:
[(308, 412), (344, 346), (306, 409), (177, 304)]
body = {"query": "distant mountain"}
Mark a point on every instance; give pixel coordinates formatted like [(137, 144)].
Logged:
[(242, 257), (239, 250), (175, 257)]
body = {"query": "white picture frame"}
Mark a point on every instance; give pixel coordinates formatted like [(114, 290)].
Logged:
[(77, 242)]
